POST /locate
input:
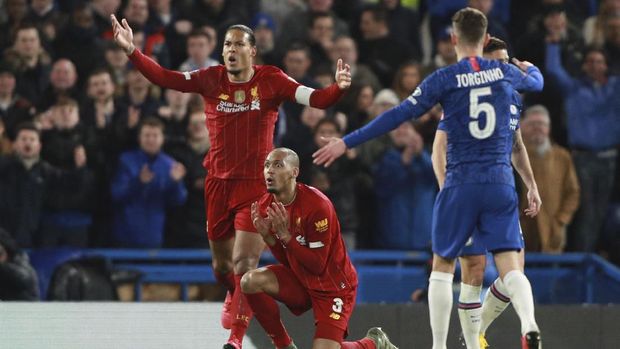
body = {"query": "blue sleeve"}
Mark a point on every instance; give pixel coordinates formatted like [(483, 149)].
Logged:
[(532, 80), (553, 65), (423, 98), (125, 185)]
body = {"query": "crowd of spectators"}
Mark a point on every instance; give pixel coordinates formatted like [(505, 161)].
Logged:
[(93, 154)]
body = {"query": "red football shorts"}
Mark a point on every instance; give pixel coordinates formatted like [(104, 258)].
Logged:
[(331, 310), (228, 203)]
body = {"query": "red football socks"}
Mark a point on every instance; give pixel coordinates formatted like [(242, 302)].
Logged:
[(364, 343), (241, 311), (268, 315), (227, 280)]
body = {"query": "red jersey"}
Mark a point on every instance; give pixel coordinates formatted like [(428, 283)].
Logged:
[(316, 252), (240, 116)]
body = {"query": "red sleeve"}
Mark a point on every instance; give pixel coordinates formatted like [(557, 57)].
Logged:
[(184, 82), (279, 253), (326, 97), (320, 226), (287, 85)]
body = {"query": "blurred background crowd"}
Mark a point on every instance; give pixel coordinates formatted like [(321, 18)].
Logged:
[(76, 118)]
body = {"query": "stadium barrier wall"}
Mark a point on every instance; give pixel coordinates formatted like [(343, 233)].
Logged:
[(384, 276)]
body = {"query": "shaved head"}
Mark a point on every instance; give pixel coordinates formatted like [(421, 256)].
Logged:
[(287, 155)]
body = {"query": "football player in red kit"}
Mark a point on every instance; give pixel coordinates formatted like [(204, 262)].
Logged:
[(241, 104), (300, 226)]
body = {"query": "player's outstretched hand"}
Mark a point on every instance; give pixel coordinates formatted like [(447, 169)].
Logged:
[(343, 75), (279, 220), (123, 35), (523, 65), (330, 151), (533, 203)]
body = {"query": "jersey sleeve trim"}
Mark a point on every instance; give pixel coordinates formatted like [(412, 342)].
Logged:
[(302, 94)]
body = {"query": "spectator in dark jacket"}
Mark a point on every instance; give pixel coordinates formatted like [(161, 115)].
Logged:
[(18, 280), (185, 225), (13, 108), (68, 217), (31, 63), (27, 183), (63, 79), (146, 184)]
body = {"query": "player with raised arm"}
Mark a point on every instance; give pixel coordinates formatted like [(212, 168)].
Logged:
[(300, 226), (241, 104), (476, 95), (475, 319)]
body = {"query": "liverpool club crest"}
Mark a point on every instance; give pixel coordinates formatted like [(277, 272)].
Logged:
[(239, 96)]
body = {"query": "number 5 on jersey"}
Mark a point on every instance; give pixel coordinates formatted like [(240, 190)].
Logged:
[(475, 109)]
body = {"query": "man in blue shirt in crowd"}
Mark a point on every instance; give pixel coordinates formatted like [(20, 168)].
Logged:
[(146, 183), (479, 191), (593, 122)]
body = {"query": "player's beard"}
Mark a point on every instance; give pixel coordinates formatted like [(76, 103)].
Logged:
[(272, 190)]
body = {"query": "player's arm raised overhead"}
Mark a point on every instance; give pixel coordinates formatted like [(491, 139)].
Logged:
[(184, 82), (422, 99)]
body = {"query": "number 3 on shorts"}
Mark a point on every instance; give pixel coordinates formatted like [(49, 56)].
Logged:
[(337, 307)]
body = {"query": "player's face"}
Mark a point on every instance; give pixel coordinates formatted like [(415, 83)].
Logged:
[(27, 144), (278, 172), (500, 55), (237, 51)]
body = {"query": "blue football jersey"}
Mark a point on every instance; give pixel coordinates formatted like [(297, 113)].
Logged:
[(478, 100)]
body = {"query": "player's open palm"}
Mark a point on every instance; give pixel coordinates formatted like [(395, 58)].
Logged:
[(534, 202), (279, 220), (123, 35), (331, 151), (343, 75), (262, 224)]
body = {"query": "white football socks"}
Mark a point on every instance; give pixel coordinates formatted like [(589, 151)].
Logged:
[(469, 314), (440, 306), (495, 302), (520, 292)]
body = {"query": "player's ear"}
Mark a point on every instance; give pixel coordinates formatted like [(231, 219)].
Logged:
[(253, 51), (295, 172), (487, 38), (453, 38)]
